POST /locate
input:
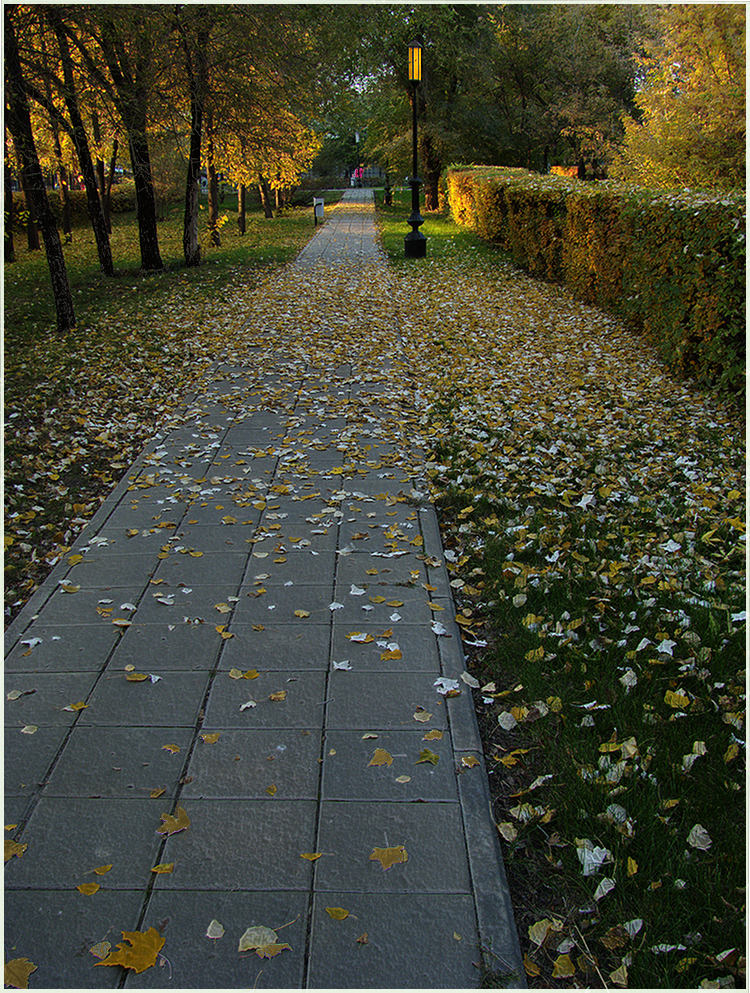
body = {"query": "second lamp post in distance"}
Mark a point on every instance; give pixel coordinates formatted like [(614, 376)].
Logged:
[(415, 243)]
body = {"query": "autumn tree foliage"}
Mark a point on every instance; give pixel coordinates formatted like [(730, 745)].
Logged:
[(688, 128)]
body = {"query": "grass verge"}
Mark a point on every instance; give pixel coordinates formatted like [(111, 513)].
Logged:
[(79, 406), (592, 509)]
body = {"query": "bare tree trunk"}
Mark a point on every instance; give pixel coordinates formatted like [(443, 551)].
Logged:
[(81, 142), (62, 172), (32, 232), (241, 211), (100, 176), (131, 103), (265, 196), (213, 182), (19, 123), (107, 201), (9, 253), (197, 69)]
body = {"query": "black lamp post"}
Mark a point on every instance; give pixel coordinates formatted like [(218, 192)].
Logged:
[(415, 243)]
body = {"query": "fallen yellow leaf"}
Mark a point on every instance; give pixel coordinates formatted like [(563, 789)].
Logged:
[(381, 757), (17, 972), (137, 951), (337, 913), (172, 823), (88, 889), (389, 856)]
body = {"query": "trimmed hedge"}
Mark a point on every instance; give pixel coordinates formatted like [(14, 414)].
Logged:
[(672, 263), (122, 200)]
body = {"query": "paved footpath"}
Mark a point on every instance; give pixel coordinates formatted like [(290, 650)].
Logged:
[(237, 672)]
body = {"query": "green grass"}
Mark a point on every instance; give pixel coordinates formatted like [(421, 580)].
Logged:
[(445, 240), (29, 307), (564, 596), (79, 406)]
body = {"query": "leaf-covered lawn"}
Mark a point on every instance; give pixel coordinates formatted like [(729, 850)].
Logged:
[(593, 511)]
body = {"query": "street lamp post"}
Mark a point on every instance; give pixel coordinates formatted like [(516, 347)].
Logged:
[(415, 243)]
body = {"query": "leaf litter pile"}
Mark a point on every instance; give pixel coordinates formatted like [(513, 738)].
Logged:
[(592, 509), (592, 512)]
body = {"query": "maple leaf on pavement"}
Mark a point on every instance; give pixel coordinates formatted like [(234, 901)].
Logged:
[(137, 950)]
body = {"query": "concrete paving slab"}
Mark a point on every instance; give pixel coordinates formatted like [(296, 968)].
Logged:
[(348, 772), (244, 764), (66, 925), (45, 695), (164, 647), (129, 762), (172, 603), (242, 845), (61, 648), (81, 607), (374, 946), (375, 700), (28, 757), (301, 707), (277, 647), (68, 837), (417, 647), (174, 700), (99, 570), (207, 569), (198, 962), (431, 834)]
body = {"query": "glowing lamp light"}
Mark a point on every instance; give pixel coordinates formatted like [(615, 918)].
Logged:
[(415, 62)]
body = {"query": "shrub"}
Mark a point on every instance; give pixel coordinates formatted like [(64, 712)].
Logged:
[(670, 263)]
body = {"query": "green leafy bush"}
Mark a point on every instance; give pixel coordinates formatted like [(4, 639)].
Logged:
[(122, 200), (670, 263)]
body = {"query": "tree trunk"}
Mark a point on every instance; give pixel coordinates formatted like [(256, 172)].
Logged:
[(190, 247), (145, 198), (213, 182), (265, 196), (19, 123), (62, 172), (107, 201), (32, 232), (131, 103), (241, 212), (431, 167), (81, 142), (100, 174), (198, 80), (9, 253)]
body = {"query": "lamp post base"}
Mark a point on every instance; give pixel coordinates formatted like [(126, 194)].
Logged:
[(415, 245)]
